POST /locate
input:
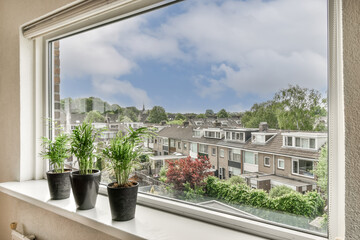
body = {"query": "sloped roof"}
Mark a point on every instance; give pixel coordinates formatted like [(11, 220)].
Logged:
[(273, 146)]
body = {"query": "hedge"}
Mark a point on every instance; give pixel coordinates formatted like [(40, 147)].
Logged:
[(309, 204)]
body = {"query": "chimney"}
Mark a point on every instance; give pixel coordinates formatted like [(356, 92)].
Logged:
[(186, 123), (263, 127), (217, 123), (163, 123)]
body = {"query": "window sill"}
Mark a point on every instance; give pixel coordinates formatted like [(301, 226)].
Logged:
[(149, 223)]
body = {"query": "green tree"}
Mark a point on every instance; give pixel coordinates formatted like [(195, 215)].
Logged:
[(157, 114), (176, 122), (123, 118), (321, 171), (209, 113), (222, 114), (299, 108), (262, 112), (201, 115), (179, 116), (94, 116), (89, 104)]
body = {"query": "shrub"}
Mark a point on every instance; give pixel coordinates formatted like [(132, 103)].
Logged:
[(310, 204), (187, 170), (279, 191), (236, 180)]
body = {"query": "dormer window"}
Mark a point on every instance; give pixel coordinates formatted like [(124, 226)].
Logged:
[(197, 133), (212, 133), (304, 140), (235, 136), (261, 138)]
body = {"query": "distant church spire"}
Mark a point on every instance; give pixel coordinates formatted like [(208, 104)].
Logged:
[(143, 107)]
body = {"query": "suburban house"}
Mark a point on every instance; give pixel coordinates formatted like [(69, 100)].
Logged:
[(264, 157)]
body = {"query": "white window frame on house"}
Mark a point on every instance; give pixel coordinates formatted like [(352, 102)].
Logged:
[(213, 151), (267, 164), (36, 102), (297, 160), (221, 153), (278, 165)]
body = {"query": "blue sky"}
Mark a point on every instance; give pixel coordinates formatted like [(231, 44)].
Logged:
[(199, 55)]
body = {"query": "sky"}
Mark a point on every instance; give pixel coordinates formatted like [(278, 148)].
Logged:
[(197, 55)]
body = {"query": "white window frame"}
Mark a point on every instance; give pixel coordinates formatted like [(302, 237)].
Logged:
[(298, 167), (278, 165), (34, 105), (266, 165), (221, 153)]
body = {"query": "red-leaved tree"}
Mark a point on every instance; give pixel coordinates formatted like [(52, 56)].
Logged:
[(193, 171)]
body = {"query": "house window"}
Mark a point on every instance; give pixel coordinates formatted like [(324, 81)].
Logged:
[(312, 143), (281, 164), (185, 147), (213, 151), (203, 148), (179, 145), (267, 161), (197, 134), (289, 141), (303, 167), (228, 135), (172, 143), (221, 153)]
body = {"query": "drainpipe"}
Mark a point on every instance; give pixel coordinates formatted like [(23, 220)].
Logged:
[(274, 167), (217, 160)]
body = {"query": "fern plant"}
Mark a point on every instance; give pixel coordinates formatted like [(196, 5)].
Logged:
[(57, 151), (123, 153), (82, 146)]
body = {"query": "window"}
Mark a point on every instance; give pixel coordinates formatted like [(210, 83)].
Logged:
[(197, 133), (179, 145), (281, 164), (289, 141), (267, 161), (185, 146), (221, 153), (303, 167), (102, 84), (203, 148), (172, 143), (213, 151)]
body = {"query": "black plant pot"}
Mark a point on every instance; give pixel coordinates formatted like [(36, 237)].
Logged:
[(122, 202), (85, 188), (59, 184)]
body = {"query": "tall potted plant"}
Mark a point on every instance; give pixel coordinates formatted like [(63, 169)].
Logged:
[(85, 182), (123, 154), (57, 151)]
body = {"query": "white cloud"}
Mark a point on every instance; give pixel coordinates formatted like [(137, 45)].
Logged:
[(260, 46), (254, 46), (111, 87)]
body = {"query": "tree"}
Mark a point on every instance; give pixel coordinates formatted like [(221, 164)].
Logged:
[(175, 122), (189, 171), (179, 116), (201, 115), (222, 114), (209, 113), (299, 108), (157, 114), (123, 118), (94, 116), (262, 112), (321, 171)]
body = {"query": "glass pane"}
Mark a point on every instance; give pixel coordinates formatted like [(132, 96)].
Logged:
[(209, 68)]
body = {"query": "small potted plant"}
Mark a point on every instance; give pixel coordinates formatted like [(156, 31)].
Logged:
[(85, 182), (57, 151), (123, 154)]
